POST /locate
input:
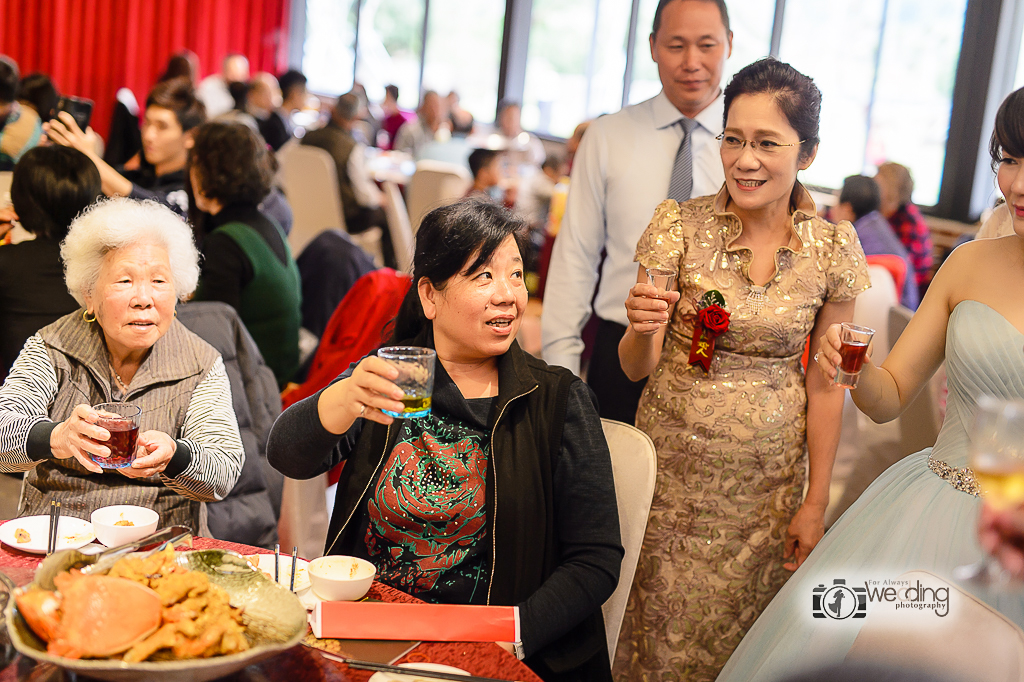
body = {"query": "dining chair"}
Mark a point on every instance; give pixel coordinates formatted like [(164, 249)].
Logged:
[(434, 184), (311, 185), (634, 468), (399, 226)]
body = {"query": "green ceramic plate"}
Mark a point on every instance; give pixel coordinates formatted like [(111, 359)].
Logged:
[(275, 621)]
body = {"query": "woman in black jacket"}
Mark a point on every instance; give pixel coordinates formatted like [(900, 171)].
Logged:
[(503, 494)]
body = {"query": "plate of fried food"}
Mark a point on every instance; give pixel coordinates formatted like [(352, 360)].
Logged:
[(167, 616)]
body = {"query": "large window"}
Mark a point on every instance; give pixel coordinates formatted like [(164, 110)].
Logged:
[(328, 58)]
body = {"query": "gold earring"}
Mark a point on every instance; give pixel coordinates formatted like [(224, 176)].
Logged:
[(85, 316)]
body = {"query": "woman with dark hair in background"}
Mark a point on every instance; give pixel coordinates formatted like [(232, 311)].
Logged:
[(736, 432), (51, 185), (921, 513), (36, 103), (247, 262), (500, 419)]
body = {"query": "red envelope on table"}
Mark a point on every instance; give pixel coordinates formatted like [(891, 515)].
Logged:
[(424, 622)]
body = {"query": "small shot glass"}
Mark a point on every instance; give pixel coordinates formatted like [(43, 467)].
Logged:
[(663, 278), (855, 341)]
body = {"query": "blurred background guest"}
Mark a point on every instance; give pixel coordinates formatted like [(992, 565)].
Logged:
[(264, 102), (524, 149), (37, 102), (394, 117), (214, 91), (416, 134), (51, 185), (458, 147), (859, 201), (9, 78), (183, 64), (897, 186), (127, 264), (247, 262), (487, 167), (293, 96)]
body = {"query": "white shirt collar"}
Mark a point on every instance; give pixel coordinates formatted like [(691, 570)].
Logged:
[(710, 118)]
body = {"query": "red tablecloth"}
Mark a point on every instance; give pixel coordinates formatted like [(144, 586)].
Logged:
[(299, 663)]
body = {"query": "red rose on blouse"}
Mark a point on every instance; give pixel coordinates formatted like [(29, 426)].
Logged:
[(714, 318)]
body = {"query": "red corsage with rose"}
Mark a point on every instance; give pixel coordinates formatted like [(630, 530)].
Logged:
[(712, 321)]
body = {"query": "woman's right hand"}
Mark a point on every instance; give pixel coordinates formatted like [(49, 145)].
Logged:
[(647, 308), (78, 436), (828, 356), (365, 393), (7, 218)]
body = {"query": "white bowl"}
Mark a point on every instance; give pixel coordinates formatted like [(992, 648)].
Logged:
[(341, 578), (143, 522)]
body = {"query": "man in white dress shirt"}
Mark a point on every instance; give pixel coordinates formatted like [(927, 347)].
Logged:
[(213, 91), (621, 173)]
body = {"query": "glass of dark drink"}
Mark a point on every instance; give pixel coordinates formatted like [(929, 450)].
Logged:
[(122, 421), (854, 350)]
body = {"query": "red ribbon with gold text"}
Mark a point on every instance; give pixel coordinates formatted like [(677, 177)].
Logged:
[(712, 322)]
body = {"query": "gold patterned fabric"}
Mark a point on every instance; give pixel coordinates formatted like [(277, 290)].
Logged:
[(731, 443)]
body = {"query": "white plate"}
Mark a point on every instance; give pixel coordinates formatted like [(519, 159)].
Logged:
[(433, 667), (266, 563), (72, 533)]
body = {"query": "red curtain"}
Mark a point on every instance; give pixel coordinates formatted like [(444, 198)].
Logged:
[(90, 48)]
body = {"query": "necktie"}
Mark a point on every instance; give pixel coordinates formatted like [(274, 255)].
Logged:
[(681, 184)]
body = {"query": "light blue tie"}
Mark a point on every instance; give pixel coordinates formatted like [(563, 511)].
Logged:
[(681, 185)]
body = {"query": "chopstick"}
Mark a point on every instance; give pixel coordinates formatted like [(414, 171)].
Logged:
[(51, 538), (277, 562), (295, 553), (432, 674)]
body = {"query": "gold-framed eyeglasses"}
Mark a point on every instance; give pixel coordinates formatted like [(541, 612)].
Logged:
[(763, 147)]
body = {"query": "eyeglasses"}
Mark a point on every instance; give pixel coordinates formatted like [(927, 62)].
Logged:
[(761, 147)]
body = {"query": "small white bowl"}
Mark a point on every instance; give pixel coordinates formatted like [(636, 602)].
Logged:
[(341, 578), (143, 522)]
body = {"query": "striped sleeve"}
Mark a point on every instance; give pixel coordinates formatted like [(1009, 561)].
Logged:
[(210, 433), (25, 399)]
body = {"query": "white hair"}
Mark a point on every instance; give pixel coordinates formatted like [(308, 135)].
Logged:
[(112, 224)]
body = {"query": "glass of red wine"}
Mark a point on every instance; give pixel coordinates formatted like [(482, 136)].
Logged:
[(122, 421), (855, 341)]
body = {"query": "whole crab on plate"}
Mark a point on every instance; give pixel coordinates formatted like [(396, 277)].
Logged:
[(172, 616)]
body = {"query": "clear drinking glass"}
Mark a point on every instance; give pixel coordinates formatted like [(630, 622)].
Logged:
[(415, 376), (122, 421), (997, 459), (663, 278), (854, 350)]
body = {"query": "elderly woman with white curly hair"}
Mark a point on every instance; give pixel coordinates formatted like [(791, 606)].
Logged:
[(127, 263)]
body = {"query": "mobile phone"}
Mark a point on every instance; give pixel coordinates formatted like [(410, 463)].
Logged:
[(80, 109)]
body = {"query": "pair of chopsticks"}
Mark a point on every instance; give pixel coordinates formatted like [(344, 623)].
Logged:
[(277, 568), (414, 672), (51, 537)]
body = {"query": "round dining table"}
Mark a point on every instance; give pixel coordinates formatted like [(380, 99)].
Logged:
[(300, 662)]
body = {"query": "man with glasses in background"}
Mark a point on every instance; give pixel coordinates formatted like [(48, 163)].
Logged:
[(628, 163)]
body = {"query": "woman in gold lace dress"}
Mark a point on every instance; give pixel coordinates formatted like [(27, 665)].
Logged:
[(734, 440)]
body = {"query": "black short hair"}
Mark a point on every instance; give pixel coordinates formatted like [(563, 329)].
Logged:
[(1008, 134), (178, 95), (722, 9), (180, 65), (480, 159), (37, 89), (392, 90), (795, 94), (232, 163), (52, 185), (290, 80), (862, 193), (9, 76), (453, 239), (553, 160)]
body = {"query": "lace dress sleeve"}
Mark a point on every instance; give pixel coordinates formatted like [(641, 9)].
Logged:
[(847, 273), (663, 243)]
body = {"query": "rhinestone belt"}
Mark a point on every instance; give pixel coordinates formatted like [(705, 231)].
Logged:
[(961, 479)]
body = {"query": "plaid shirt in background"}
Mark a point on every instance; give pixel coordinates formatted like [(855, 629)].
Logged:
[(910, 227)]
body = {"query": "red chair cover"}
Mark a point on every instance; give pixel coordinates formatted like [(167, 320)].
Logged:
[(896, 266)]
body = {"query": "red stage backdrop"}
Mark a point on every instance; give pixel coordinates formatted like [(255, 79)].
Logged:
[(93, 47)]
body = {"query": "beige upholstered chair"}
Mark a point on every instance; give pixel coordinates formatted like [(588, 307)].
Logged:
[(399, 226), (434, 184), (635, 467)]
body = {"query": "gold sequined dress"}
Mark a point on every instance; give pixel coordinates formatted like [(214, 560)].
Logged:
[(731, 443)]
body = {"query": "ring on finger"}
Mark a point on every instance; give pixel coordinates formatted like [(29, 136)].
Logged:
[(362, 409), (816, 355)]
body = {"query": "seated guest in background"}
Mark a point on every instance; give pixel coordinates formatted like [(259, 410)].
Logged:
[(37, 102), (487, 167), (524, 149), (51, 185), (457, 148), (294, 96), (394, 117), (454, 109), (500, 420), (214, 91), (182, 64), (172, 111), (897, 185), (247, 263), (366, 125), (127, 263), (9, 75), (360, 199), (263, 102), (535, 198), (414, 135), (859, 202)]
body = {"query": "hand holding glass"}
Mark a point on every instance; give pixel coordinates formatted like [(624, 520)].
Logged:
[(662, 278), (122, 421), (855, 341), (415, 377)]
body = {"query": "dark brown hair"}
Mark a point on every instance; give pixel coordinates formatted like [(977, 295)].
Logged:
[(232, 163), (178, 95)]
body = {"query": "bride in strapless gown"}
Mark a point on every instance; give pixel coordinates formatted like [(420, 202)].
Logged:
[(922, 513)]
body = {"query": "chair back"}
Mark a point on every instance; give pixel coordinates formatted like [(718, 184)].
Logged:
[(311, 185), (872, 309), (896, 266), (634, 467), (434, 184), (920, 422), (399, 227)]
